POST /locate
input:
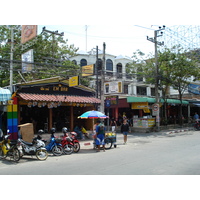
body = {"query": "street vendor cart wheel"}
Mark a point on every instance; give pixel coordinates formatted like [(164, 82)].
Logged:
[(108, 143)]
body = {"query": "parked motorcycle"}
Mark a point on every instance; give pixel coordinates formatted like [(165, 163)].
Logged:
[(54, 144), (197, 125), (67, 142), (72, 139), (9, 148), (37, 148)]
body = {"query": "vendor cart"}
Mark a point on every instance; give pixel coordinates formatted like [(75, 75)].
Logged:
[(110, 139)]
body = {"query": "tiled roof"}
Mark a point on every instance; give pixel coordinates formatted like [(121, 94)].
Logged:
[(58, 98)]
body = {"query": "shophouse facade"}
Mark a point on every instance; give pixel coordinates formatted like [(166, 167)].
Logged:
[(123, 85)]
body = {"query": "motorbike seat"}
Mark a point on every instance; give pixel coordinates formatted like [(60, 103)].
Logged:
[(27, 143)]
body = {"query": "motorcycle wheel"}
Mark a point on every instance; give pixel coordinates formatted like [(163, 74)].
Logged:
[(57, 150), (108, 143), (41, 154), (16, 155), (2, 156), (68, 149), (76, 147)]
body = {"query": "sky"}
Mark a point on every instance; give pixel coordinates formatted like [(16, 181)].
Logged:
[(119, 39)]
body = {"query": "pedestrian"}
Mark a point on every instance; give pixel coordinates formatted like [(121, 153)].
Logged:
[(125, 129), (196, 117), (113, 124), (100, 135)]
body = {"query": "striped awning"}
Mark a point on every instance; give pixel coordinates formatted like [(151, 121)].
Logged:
[(5, 94), (58, 98)]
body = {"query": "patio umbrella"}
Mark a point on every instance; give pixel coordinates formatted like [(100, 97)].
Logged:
[(93, 114)]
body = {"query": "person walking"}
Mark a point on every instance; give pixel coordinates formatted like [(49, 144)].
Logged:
[(125, 129), (113, 124)]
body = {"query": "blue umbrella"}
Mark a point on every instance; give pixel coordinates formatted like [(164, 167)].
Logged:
[(93, 114)]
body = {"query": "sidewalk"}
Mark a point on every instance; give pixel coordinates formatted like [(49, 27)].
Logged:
[(88, 143)]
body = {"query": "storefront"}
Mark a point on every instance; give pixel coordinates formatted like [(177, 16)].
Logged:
[(144, 105), (52, 103)]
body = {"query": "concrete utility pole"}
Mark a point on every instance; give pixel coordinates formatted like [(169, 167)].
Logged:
[(154, 40), (11, 60), (103, 77), (96, 72)]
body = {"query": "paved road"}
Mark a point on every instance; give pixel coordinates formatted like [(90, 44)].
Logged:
[(145, 154)]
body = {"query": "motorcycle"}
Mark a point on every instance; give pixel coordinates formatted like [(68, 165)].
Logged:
[(37, 148), (197, 125), (9, 148), (72, 140), (54, 145)]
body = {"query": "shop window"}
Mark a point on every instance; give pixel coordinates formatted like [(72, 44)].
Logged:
[(119, 70), (74, 61), (153, 93), (83, 62), (141, 91), (109, 65), (125, 89)]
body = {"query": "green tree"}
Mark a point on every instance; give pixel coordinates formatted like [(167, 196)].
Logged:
[(51, 57), (176, 67)]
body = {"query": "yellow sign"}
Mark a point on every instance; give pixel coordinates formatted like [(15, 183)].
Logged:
[(88, 70), (73, 81), (139, 105)]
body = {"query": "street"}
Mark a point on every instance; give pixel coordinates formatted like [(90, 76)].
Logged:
[(144, 154)]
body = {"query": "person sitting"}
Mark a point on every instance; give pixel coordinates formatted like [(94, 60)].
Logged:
[(84, 132), (77, 129)]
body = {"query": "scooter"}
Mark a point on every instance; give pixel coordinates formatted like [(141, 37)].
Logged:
[(67, 142), (54, 145), (197, 125), (37, 148), (72, 139), (9, 148)]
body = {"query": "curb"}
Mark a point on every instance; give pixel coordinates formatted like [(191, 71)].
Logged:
[(178, 131)]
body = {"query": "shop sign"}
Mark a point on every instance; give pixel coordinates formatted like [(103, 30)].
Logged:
[(140, 105), (113, 100), (55, 88)]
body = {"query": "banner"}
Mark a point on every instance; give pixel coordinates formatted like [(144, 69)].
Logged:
[(113, 87), (88, 70), (28, 32), (27, 60), (73, 81)]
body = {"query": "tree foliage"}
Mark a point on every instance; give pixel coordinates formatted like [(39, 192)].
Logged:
[(176, 67), (51, 56)]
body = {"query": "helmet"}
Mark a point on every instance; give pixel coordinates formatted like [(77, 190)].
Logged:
[(40, 132), (64, 130), (53, 130)]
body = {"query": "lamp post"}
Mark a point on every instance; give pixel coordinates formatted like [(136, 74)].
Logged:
[(156, 43)]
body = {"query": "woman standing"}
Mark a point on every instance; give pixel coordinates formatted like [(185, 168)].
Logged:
[(125, 130)]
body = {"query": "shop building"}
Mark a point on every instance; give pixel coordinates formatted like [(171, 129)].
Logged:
[(51, 103)]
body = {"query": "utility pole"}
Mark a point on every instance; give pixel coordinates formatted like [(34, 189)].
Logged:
[(103, 77), (154, 40), (11, 60), (96, 72)]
